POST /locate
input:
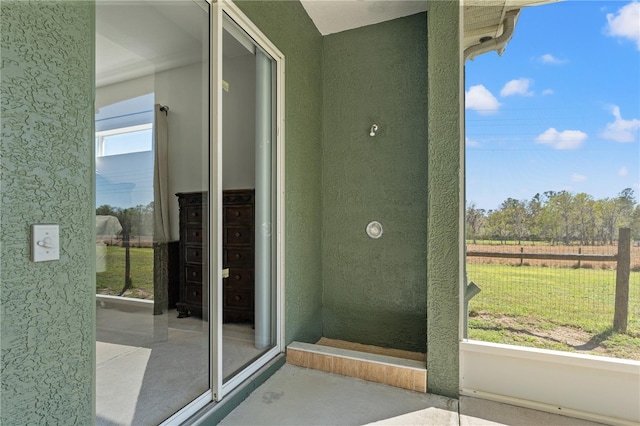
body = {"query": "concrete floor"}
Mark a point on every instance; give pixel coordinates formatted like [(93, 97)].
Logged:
[(149, 366), (301, 396)]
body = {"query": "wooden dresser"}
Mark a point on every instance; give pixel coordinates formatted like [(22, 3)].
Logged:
[(193, 285), (238, 255)]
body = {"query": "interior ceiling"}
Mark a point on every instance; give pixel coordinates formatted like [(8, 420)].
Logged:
[(138, 38), (134, 39)]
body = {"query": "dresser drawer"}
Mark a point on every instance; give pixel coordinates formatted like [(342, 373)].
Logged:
[(239, 278), (194, 234), (238, 236), (238, 299), (193, 274), (193, 215), (237, 257), (238, 215), (193, 294), (196, 255)]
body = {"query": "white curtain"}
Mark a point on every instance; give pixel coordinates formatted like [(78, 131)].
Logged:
[(160, 176), (263, 242), (160, 210)]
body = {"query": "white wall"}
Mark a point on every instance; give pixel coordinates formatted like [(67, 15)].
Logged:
[(185, 91), (238, 118)]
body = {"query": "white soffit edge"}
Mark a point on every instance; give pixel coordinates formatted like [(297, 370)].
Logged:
[(333, 16), (485, 18)]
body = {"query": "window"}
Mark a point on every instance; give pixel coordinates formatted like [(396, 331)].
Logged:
[(124, 140)]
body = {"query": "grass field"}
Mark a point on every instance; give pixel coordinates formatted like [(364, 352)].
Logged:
[(552, 308), (111, 281)]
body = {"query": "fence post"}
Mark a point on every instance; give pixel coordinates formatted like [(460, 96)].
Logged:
[(623, 267), (521, 258), (579, 252)]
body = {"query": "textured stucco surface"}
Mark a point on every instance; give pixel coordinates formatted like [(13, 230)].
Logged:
[(443, 236), (47, 309), (288, 26), (375, 289)]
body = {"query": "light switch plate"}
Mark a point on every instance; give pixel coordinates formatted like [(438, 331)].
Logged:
[(45, 242)]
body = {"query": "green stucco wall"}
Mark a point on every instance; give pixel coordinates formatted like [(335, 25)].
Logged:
[(445, 187), (288, 26), (47, 309), (375, 289)]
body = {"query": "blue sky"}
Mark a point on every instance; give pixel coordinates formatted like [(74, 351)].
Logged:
[(560, 109)]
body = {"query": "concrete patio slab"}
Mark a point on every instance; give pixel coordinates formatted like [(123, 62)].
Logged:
[(302, 396)]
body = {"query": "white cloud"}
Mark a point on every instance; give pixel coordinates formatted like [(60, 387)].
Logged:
[(625, 23), (546, 92), (578, 177), (548, 58), (470, 142), (621, 130), (623, 171), (517, 87), (480, 99), (566, 140)]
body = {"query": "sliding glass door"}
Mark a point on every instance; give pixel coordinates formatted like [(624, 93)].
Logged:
[(189, 152), (248, 87), (152, 184)]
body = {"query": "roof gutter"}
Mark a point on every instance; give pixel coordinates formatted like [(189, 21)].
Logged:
[(498, 44)]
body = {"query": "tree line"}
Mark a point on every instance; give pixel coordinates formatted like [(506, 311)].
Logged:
[(557, 218), (136, 220)]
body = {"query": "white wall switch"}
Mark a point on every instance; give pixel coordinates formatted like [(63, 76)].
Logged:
[(45, 243)]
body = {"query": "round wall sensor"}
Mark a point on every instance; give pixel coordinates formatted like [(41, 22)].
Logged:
[(374, 229)]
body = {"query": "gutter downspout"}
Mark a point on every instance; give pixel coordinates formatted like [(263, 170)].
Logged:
[(499, 43)]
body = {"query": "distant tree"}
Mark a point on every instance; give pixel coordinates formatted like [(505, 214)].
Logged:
[(534, 208), (584, 219), (550, 217), (635, 223), (516, 218), (475, 220), (498, 225), (105, 209)]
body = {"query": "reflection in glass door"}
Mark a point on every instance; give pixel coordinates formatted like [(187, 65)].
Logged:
[(248, 207), (152, 182)]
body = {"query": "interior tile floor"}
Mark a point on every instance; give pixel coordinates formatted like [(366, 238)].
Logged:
[(302, 396), (150, 365)]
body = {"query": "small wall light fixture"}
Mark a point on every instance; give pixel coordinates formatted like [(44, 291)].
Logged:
[(374, 130), (374, 230)]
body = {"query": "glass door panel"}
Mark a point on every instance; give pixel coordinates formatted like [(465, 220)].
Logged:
[(153, 333), (249, 207)]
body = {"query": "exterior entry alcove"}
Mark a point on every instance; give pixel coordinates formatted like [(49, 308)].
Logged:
[(374, 290)]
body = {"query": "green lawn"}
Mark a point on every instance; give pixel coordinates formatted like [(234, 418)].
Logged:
[(553, 308), (111, 281)]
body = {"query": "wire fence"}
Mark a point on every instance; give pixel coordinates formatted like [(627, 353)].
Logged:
[(555, 297)]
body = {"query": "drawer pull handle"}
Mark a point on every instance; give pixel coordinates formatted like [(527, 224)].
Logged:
[(237, 298), (194, 214), (238, 235), (237, 277), (196, 233), (194, 274), (237, 256), (236, 213), (195, 293)]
